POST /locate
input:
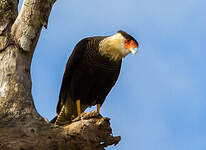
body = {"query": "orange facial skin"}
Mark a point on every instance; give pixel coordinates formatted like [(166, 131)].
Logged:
[(130, 44)]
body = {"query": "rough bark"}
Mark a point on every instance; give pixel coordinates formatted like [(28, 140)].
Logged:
[(21, 127)]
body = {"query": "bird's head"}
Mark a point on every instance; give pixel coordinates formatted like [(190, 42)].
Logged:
[(118, 45)]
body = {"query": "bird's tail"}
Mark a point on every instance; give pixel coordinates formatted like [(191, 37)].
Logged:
[(68, 112)]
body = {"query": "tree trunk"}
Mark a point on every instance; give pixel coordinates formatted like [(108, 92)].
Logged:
[(21, 127)]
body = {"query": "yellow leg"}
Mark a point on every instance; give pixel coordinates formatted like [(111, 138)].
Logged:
[(98, 108), (78, 107)]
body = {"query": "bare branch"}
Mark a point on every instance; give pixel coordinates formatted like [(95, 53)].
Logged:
[(88, 132), (8, 14), (17, 33), (33, 15)]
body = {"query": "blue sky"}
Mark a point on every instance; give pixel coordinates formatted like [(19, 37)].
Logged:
[(158, 102)]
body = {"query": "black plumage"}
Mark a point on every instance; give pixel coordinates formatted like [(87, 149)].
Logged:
[(89, 77)]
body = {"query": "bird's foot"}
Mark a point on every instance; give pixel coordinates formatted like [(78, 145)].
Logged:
[(87, 115)]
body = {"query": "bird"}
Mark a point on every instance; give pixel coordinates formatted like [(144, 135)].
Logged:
[(90, 73)]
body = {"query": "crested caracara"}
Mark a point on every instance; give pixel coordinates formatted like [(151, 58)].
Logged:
[(91, 72)]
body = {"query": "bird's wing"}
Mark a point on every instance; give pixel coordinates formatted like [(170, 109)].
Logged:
[(74, 60)]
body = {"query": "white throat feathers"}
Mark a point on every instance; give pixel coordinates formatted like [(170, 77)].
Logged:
[(113, 47)]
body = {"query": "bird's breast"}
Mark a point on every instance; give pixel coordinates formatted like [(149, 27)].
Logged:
[(96, 61)]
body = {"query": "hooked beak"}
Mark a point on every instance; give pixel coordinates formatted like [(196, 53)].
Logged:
[(133, 50)]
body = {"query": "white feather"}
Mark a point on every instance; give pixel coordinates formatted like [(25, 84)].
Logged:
[(113, 47)]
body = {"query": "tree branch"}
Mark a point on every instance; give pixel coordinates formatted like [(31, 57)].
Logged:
[(8, 14), (33, 15), (19, 33), (90, 131)]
